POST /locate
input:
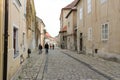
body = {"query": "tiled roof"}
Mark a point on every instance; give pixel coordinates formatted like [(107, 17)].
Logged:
[(47, 35), (71, 5), (64, 29)]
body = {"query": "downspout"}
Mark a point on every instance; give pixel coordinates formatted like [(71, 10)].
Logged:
[(5, 55)]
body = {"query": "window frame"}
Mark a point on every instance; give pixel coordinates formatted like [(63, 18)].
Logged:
[(104, 33), (81, 13), (89, 6), (90, 33), (16, 53), (103, 1)]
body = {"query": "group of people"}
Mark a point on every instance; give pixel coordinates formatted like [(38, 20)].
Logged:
[(40, 49), (46, 47)]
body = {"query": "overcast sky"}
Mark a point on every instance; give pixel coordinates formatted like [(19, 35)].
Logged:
[(49, 12)]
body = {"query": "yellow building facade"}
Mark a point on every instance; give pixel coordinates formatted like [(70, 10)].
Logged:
[(2, 8), (31, 23)]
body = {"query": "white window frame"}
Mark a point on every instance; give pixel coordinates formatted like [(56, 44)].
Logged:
[(81, 13), (103, 1), (89, 6), (90, 33), (104, 34)]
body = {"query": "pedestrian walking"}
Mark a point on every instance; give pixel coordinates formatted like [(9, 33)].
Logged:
[(50, 46), (46, 48), (29, 52), (53, 46), (40, 48)]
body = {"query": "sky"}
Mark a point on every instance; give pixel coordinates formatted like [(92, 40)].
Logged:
[(49, 11)]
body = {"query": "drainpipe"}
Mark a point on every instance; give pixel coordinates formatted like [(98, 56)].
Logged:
[(5, 55)]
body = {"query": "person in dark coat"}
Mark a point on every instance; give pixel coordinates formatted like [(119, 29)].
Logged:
[(29, 52), (46, 47), (53, 46), (40, 48)]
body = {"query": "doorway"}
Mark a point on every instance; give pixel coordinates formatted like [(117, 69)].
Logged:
[(81, 41)]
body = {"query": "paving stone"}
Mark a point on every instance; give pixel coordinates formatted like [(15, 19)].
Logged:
[(67, 65)]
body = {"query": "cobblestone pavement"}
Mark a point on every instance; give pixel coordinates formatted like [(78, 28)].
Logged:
[(108, 68), (60, 66), (67, 65), (31, 68)]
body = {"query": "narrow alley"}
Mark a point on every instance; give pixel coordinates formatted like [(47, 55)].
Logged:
[(82, 37), (67, 65)]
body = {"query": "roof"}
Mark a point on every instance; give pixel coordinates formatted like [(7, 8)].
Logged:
[(71, 5), (73, 9), (64, 29), (48, 35)]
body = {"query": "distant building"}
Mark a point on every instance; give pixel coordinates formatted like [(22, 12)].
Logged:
[(67, 37), (40, 32), (50, 40), (31, 23), (72, 28)]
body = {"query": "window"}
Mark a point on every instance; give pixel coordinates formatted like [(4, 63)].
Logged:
[(23, 42), (81, 13), (17, 3), (89, 33), (89, 6), (25, 8), (103, 1), (15, 42), (68, 24), (23, 39), (63, 38), (105, 32)]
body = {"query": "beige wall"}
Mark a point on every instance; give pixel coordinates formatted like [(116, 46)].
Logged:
[(63, 19), (1, 36), (107, 12), (71, 23), (19, 22), (111, 16)]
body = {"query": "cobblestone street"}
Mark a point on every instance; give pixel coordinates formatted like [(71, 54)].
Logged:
[(67, 65), (63, 67)]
